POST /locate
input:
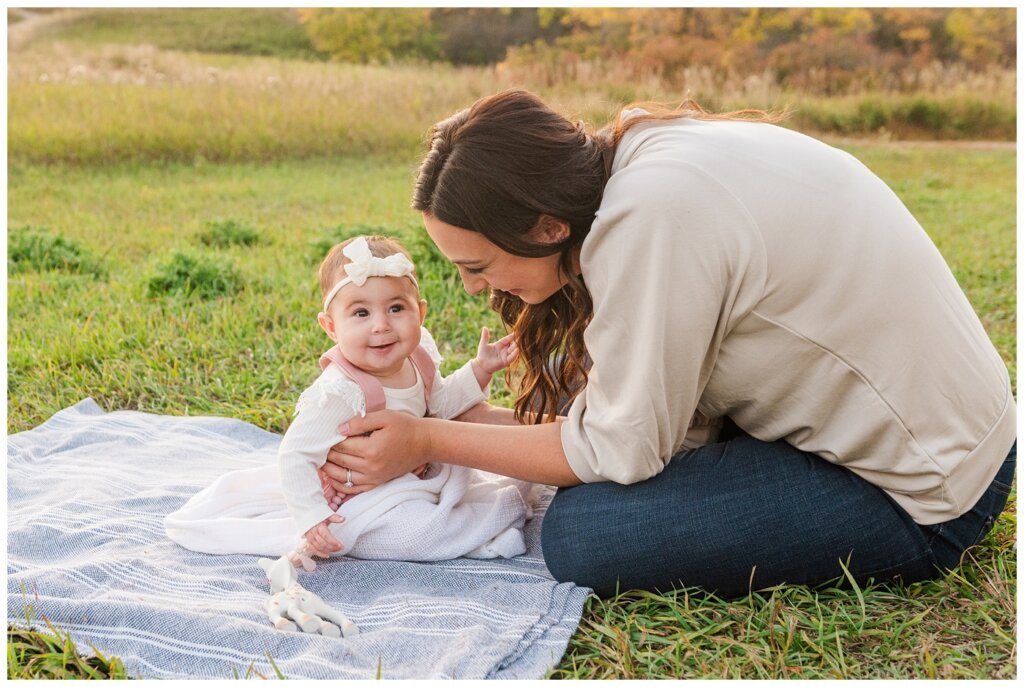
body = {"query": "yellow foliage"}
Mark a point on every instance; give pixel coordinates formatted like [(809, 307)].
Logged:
[(370, 34), (844, 20), (916, 34), (982, 34)]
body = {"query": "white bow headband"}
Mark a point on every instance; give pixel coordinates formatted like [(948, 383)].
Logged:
[(364, 265)]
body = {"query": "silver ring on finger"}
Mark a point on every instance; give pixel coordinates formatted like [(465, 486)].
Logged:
[(348, 478)]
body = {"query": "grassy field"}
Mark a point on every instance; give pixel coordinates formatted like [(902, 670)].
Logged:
[(166, 212), (108, 103), (244, 355), (247, 355)]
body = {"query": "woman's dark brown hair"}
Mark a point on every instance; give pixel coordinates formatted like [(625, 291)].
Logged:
[(500, 166)]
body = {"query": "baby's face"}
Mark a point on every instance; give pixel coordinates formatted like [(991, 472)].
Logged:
[(377, 325)]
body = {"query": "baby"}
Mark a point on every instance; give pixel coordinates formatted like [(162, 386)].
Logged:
[(383, 357)]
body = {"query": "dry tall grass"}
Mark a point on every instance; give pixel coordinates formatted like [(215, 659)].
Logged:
[(93, 105), (119, 102), (564, 69)]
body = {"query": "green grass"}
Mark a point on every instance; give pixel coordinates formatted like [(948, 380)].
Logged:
[(960, 627), (163, 350), (229, 232), (29, 249), (249, 354), (50, 654), (195, 275)]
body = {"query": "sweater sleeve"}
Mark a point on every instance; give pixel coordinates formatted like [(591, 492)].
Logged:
[(455, 394), (672, 261), (313, 431)]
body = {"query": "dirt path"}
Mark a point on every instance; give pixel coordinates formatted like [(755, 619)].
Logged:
[(31, 24), (956, 145)]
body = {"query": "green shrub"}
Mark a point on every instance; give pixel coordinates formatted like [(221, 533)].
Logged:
[(36, 250), (979, 116), (918, 116), (200, 276), (871, 115), (925, 114), (227, 233)]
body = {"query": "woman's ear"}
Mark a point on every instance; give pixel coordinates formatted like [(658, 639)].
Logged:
[(327, 324), (551, 230)]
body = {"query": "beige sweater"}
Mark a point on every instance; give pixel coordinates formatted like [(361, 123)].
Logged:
[(742, 269)]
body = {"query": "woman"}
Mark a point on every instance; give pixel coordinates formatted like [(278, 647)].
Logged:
[(685, 271)]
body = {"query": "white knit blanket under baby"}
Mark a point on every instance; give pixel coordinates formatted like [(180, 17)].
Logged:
[(87, 495)]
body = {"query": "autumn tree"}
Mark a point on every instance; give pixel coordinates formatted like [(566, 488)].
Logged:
[(822, 49), (355, 34), (983, 35), (819, 49), (482, 35)]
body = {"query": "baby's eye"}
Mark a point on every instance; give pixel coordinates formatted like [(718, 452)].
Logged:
[(397, 308), (362, 312)]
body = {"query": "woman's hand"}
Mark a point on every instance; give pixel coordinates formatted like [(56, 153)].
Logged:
[(397, 443), (331, 495)]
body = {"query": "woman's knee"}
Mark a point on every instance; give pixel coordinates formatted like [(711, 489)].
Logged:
[(568, 538), (556, 542)]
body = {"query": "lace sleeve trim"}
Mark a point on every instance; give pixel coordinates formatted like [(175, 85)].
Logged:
[(430, 346), (323, 392)]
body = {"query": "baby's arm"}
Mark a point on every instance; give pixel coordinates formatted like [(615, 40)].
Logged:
[(463, 389), (303, 451)]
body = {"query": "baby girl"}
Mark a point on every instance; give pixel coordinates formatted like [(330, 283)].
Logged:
[(384, 358)]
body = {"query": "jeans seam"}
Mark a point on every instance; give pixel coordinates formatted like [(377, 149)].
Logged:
[(986, 526), (1000, 488), (881, 571), (936, 533)]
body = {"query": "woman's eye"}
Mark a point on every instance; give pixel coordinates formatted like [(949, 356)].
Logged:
[(474, 270)]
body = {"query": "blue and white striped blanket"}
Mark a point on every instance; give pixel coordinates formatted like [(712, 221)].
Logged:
[(87, 492)]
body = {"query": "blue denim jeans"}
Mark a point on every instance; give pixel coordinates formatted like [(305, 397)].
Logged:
[(743, 515)]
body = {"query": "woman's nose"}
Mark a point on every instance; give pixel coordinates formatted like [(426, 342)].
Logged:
[(473, 284)]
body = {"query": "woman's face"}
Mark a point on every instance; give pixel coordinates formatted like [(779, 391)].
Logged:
[(482, 264)]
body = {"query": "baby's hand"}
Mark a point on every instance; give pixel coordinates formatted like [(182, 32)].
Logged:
[(491, 357), (320, 541)]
